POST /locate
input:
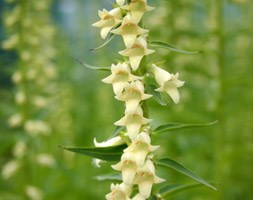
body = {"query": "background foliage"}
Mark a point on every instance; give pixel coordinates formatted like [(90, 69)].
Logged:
[(218, 86)]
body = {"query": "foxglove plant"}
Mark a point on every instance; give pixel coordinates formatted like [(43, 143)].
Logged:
[(30, 38), (133, 83)]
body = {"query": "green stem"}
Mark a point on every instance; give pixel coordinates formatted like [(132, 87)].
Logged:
[(220, 108)]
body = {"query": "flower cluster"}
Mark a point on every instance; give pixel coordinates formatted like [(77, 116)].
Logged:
[(128, 82), (31, 38)]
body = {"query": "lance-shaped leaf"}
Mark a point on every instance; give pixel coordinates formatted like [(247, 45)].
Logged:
[(94, 67), (168, 190), (177, 126), (169, 163), (107, 41), (104, 153), (156, 95), (109, 177), (171, 47)]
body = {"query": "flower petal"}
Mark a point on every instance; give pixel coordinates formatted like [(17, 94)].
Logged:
[(145, 188), (133, 130), (104, 31), (118, 87), (129, 40), (135, 61), (173, 93)]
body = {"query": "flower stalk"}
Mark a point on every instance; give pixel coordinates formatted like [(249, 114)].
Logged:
[(127, 79)]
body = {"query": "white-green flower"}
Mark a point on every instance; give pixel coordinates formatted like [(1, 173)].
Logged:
[(121, 75), (119, 192), (137, 9), (10, 168), (138, 197), (127, 166), (133, 122), (137, 52), (133, 94), (109, 19), (118, 140), (120, 2), (168, 83), (140, 147), (145, 178), (129, 30)]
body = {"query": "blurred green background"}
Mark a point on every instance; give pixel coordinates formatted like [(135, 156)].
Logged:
[(53, 34)]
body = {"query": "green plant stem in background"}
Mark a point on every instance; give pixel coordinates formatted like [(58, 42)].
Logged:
[(220, 107)]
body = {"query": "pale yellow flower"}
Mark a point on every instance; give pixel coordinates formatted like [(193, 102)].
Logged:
[(137, 52), (121, 75), (133, 94), (34, 193), (145, 178), (140, 147), (109, 19), (138, 197), (127, 166), (168, 83), (120, 2), (133, 122), (118, 140), (119, 192), (137, 8), (10, 168), (129, 30)]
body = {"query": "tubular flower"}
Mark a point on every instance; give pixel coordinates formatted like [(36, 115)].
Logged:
[(140, 147), (118, 140), (119, 192), (145, 178), (108, 20), (133, 122), (137, 52), (129, 31), (168, 83), (121, 75), (127, 166), (138, 197), (120, 2), (137, 8), (133, 94)]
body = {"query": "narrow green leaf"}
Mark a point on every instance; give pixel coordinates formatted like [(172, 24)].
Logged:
[(93, 67), (109, 177), (117, 130), (171, 47), (107, 41), (169, 163), (156, 95), (152, 197), (177, 126), (112, 153), (168, 190)]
